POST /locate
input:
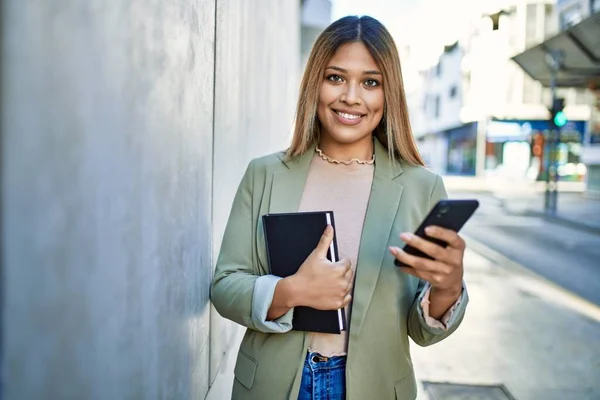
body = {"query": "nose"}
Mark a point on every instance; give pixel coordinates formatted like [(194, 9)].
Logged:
[(351, 95)]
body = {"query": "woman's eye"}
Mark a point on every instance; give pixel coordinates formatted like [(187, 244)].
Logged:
[(334, 78), (371, 83)]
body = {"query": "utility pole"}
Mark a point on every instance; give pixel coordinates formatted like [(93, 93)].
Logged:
[(554, 59)]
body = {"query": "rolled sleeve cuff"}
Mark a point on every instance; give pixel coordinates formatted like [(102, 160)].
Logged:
[(434, 325), (262, 298)]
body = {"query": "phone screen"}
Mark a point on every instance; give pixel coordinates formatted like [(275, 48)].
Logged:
[(449, 214)]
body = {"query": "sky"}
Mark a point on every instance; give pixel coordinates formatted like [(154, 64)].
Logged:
[(375, 8), (395, 15), (426, 25)]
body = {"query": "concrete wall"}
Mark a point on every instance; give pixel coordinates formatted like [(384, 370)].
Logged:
[(122, 146), (258, 67)]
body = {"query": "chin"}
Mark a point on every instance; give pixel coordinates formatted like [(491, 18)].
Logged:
[(340, 136)]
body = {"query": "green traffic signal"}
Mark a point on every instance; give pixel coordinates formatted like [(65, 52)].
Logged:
[(560, 119)]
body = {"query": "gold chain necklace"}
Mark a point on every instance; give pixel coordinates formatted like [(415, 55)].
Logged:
[(334, 161)]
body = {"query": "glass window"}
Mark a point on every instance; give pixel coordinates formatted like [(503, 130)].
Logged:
[(570, 17), (453, 92), (551, 21)]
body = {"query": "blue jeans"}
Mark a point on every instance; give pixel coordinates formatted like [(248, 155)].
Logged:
[(323, 378)]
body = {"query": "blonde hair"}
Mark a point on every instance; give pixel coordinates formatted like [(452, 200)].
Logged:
[(394, 131)]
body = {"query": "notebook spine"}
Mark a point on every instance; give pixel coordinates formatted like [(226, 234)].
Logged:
[(334, 258)]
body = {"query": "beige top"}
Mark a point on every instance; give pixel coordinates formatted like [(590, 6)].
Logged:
[(343, 189)]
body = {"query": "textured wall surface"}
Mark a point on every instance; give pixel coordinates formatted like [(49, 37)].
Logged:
[(257, 68), (107, 167), (124, 137)]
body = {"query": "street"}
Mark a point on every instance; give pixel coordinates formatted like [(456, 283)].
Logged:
[(533, 322), (521, 338), (565, 255)]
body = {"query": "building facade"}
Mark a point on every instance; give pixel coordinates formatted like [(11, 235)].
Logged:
[(575, 49), (316, 16), (570, 14), (484, 97), (434, 105)]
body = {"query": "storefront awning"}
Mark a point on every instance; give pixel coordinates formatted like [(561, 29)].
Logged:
[(580, 45)]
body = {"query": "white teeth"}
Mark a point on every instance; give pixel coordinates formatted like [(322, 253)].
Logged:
[(348, 116)]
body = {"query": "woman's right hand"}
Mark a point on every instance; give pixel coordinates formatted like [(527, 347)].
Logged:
[(320, 283)]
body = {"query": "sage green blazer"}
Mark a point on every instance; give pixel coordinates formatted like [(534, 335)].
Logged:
[(385, 310)]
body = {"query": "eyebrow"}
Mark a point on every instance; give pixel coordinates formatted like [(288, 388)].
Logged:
[(342, 70)]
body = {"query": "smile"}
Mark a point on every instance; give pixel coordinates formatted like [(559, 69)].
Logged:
[(348, 119), (348, 116)]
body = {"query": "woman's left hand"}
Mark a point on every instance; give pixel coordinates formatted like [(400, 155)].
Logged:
[(445, 271)]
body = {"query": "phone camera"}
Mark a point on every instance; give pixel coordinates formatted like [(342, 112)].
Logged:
[(443, 210)]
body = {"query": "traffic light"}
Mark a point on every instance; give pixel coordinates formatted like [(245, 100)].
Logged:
[(558, 115)]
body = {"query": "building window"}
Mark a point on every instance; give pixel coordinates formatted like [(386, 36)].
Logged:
[(550, 22), (595, 6), (531, 25), (437, 106), (570, 17), (453, 92)]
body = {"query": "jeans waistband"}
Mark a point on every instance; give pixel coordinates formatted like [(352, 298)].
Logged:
[(317, 360)]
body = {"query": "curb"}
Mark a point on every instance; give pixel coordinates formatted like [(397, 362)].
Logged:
[(558, 294), (569, 222)]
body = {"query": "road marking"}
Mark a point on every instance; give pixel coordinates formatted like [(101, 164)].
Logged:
[(537, 284)]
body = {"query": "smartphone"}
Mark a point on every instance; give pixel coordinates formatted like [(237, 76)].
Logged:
[(449, 214)]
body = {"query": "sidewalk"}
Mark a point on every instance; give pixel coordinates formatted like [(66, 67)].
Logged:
[(572, 209), (520, 331), (527, 198)]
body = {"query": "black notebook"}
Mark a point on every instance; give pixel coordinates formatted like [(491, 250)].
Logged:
[(290, 238)]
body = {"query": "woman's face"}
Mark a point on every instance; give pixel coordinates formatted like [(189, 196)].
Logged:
[(351, 100)]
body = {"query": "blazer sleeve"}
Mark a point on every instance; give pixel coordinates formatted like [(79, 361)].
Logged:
[(233, 283), (422, 333)]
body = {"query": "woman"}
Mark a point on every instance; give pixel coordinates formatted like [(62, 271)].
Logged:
[(352, 152)]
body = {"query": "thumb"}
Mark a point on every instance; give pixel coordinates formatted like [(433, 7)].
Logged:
[(324, 242)]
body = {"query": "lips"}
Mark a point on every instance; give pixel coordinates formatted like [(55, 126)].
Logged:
[(348, 118)]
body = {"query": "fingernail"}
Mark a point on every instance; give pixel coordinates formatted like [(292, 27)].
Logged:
[(406, 236), (430, 230), (393, 250)]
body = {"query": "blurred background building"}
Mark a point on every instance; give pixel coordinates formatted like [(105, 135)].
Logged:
[(577, 46), (316, 15), (477, 112)]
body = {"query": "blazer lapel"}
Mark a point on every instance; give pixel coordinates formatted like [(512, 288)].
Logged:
[(379, 220), (288, 184)]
